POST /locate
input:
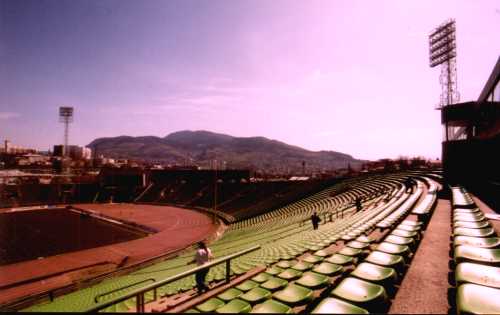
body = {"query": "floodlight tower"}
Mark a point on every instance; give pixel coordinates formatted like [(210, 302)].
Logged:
[(442, 51), (66, 117)]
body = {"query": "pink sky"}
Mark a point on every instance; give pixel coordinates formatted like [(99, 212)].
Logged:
[(349, 76)]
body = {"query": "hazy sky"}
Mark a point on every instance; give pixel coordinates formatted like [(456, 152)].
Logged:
[(350, 76)]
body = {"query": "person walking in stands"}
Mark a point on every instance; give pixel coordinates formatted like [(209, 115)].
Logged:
[(203, 255), (358, 204), (409, 183), (315, 220)]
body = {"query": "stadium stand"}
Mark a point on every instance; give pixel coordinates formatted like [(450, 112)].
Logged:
[(305, 269), (476, 257)]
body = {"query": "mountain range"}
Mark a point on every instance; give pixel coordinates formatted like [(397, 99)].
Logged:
[(202, 147)]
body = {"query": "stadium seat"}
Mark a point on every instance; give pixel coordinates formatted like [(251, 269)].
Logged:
[(374, 273), (348, 251), (274, 270), (294, 295), (358, 245), (340, 259), (473, 232), (479, 274), (229, 294), (312, 259), (466, 253), (256, 295), (290, 274), (367, 295), (327, 269), (235, 306), (386, 260), (332, 305), (477, 299), (261, 277), (399, 240), (247, 285), (321, 253), (210, 305), (302, 266), (272, 307), (410, 228), (472, 225), (469, 218), (485, 242), (364, 239), (312, 280), (415, 223), (404, 233), (285, 264), (274, 284), (394, 249)]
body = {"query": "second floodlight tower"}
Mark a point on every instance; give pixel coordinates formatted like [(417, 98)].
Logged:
[(66, 117)]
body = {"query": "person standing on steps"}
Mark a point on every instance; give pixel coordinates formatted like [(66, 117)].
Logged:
[(358, 204), (202, 256), (315, 220)]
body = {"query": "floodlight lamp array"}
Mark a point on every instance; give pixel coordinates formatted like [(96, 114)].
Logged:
[(442, 45), (66, 114)]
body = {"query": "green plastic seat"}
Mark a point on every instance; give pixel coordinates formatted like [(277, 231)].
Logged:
[(210, 305), (290, 274), (409, 222), (274, 284), (261, 277), (321, 253), (332, 305), (247, 285), (328, 269), (348, 237), (340, 259), (411, 228), (485, 242), (235, 306), (312, 280), (229, 294), (467, 210), (294, 295), (399, 240), (374, 273), (394, 249), (477, 299), (274, 270), (472, 225), (272, 307), (302, 266), (479, 274), (256, 295), (469, 218), (364, 239), (285, 264), (358, 245), (404, 233), (348, 251), (312, 259), (386, 260), (466, 253), (368, 295), (474, 232), (314, 247)]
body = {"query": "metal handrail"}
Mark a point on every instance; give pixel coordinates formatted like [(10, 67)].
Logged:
[(125, 287), (139, 293)]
